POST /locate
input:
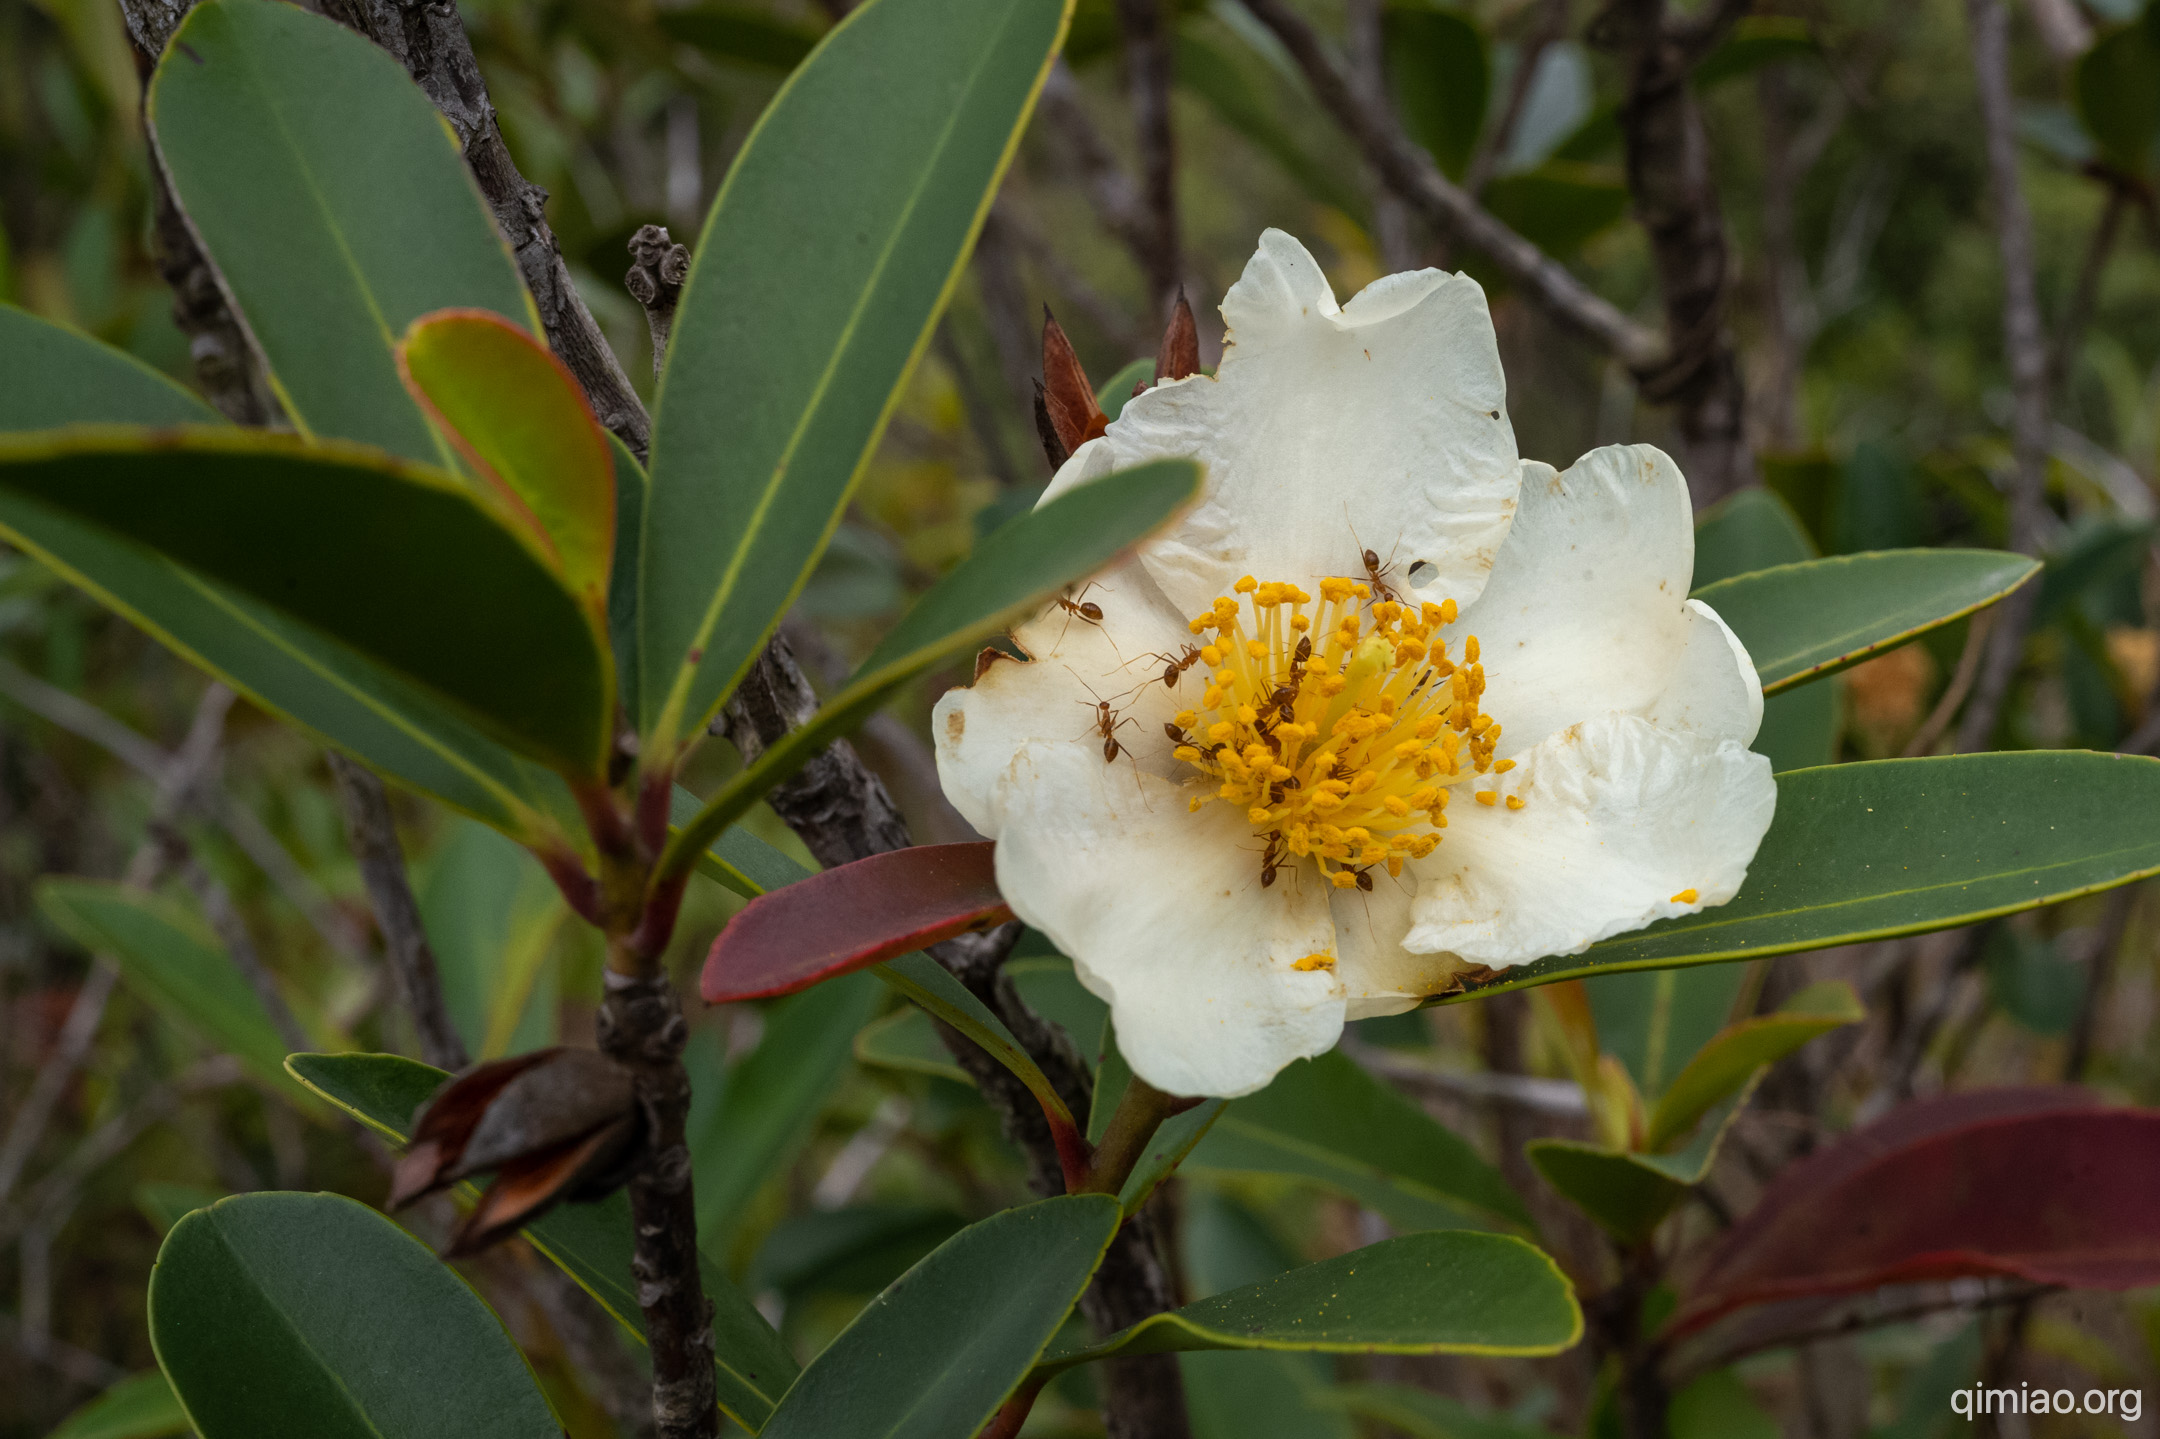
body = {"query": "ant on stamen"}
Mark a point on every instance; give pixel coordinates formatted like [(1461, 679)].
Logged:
[(1174, 666)]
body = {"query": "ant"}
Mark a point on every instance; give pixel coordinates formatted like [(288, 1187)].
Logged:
[(1272, 861), (1078, 607), (1376, 573), (1174, 666), (1107, 723)]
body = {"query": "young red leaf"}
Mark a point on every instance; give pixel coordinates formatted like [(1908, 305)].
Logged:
[(1067, 397), (2046, 1185), (853, 917), (1180, 352)]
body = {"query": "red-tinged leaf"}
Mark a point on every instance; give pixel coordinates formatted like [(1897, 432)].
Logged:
[(526, 1187), (1180, 352), (1067, 397), (853, 917), (2046, 1185), (441, 1129)]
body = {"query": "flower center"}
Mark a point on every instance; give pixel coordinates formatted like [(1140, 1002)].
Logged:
[(1337, 728)]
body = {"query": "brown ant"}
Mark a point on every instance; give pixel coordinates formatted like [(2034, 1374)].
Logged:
[(1108, 721), (1174, 666), (1271, 861), (1376, 573), (1078, 607)]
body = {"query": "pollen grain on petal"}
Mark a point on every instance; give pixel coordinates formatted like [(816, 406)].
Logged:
[(1312, 962), (1685, 896)]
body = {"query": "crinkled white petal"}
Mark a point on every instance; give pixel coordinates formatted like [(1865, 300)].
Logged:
[(1052, 699), (1587, 610), (1328, 430), (1619, 818), (1163, 914), (1378, 975)]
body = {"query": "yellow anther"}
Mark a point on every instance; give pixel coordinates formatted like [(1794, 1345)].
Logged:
[(1396, 805), (1685, 896), (1312, 962), (1258, 815), (1245, 586), (1301, 623), (1201, 625), (1448, 611), (1213, 698), (1185, 754), (1486, 796), (1514, 801), (1256, 649), (1246, 714), (1505, 765), (1225, 608), (1469, 649), (1342, 879), (1221, 733), (1192, 806), (1210, 655)]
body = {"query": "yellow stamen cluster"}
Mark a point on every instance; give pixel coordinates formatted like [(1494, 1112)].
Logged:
[(1337, 728)]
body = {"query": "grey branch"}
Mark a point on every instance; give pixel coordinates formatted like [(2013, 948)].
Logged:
[(373, 833), (1406, 169), (1148, 69), (657, 271), (2025, 349)]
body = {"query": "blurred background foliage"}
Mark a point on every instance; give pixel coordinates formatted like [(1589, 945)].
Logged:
[(1865, 295)]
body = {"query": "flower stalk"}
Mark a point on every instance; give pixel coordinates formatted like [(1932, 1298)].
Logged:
[(1141, 1110)]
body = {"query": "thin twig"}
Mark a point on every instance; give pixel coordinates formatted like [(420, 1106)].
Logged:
[(1406, 169), (373, 834), (1148, 73), (1937, 723), (2026, 350), (1546, 31), (1366, 20), (1117, 200)]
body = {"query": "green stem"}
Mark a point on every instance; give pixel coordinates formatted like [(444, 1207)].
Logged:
[(1141, 1110)]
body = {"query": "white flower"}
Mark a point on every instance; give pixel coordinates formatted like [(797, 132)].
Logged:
[(1512, 736)]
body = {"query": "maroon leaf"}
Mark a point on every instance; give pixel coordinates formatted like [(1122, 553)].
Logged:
[(1180, 352), (852, 917), (442, 1128), (496, 1115), (1067, 397), (526, 1187), (2051, 1186)]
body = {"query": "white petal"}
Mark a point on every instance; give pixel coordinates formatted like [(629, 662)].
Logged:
[(1378, 975), (1164, 916), (1327, 430), (1619, 818), (1052, 699), (1587, 610)]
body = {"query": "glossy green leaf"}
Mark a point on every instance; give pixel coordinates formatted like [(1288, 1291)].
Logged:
[(829, 252), (400, 564), (2115, 87), (749, 1118), (1329, 1121), (1233, 1394), (1725, 1064), (1235, 86), (1560, 204), (1009, 575), (738, 32), (332, 235), (141, 1406), (520, 422), (1439, 71), (1422, 1414), (935, 1354), (855, 1251), (1803, 621), (1629, 1192), (1445, 1292), (1654, 1022), (51, 377), (1751, 531), (283, 1314), (1869, 851), (492, 917), (170, 957), (592, 1243)]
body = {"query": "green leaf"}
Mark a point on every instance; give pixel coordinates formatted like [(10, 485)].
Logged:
[(592, 1243), (1438, 68), (1422, 1414), (1236, 91), (1718, 1406), (331, 235), (141, 1406), (1445, 1292), (1629, 1192), (1803, 621), (1234, 1395), (1009, 575), (829, 252), (1891, 847), (734, 32), (1118, 389), (1654, 1022), (282, 1314), (1753, 530), (165, 1204), (171, 958), (2115, 87), (399, 563), (1727, 1062), (492, 916), (51, 377), (1756, 41), (1327, 1120), (1560, 204), (748, 1119), (936, 1353), (855, 1251), (520, 422)]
